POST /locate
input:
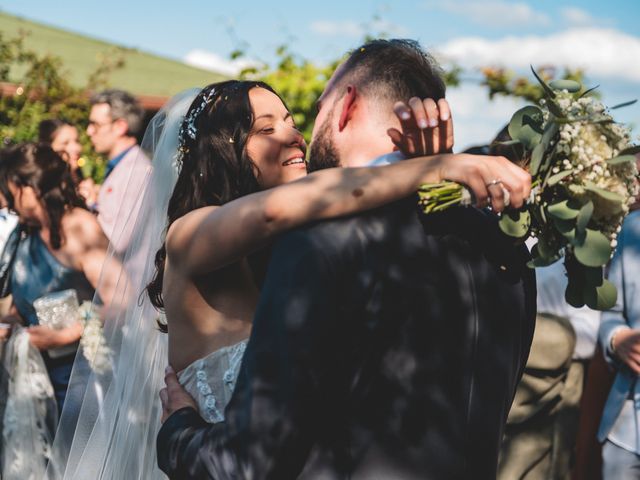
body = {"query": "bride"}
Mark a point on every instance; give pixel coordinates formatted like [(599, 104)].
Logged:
[(235, 166)]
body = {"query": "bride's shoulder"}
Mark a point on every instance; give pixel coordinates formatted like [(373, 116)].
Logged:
[(182, 231)]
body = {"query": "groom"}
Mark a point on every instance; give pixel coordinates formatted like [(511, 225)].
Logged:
[(385, 345)]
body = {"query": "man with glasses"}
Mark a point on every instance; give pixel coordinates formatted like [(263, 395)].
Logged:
[(115, 122)]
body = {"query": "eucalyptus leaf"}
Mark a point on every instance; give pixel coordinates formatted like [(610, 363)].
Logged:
[(602, 297), (631, 150), (563, 210), (544, 85), (554, 108), (566, 227), (538, 260), (584, 216), (536, 158), (515, 223), (587, 92), (570, 85), (625, 104), (573, 295), (526, 126), (553, 179), (593, 276), (605, 194), (595, 251), (620, 159)]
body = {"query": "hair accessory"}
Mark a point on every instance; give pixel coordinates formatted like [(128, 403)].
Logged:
[(231, 140), (188, 128)]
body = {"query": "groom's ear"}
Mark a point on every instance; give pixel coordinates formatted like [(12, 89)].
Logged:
[(348, 106)]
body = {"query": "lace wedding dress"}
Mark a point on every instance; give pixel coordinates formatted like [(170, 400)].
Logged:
[(30, 413), (211, 380)]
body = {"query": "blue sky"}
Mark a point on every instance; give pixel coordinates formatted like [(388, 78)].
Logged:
[(599, 36)]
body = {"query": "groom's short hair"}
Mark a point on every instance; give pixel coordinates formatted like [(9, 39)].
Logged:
[(392, 70)]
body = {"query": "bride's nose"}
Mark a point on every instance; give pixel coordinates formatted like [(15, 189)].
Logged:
[(297, 140)]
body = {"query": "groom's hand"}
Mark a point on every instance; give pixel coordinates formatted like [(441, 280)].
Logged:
[(427, 127), (174, 397)]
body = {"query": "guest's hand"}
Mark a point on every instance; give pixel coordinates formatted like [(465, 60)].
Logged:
[(427, 127), (626, 346), (44, 338), (174, 397), (89, 190)]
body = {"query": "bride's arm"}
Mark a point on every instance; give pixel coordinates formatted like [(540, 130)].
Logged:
[(212, 237)]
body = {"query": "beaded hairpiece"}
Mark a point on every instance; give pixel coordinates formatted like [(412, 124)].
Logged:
[(188, 129)]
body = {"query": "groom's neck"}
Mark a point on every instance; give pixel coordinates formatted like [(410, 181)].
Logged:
[(366, 143)]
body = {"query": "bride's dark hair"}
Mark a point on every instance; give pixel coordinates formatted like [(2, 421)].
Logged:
[(215, 167)]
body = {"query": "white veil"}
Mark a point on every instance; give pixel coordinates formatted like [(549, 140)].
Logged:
[(111, 415)]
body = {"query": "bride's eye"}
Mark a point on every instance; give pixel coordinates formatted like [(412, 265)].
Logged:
[(266, 130)]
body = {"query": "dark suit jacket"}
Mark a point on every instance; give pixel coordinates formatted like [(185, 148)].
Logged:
[(385, 345)]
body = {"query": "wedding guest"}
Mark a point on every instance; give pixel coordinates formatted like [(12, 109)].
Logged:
[(63, 247), (115, 122), (540, 436), (619, 337), (64, 139)]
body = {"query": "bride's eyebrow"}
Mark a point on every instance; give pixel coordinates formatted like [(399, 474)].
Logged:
[(271, 115)]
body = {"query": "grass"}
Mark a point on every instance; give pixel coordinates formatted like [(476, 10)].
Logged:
[(143, 73)]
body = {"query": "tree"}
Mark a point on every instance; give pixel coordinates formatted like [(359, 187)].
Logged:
[(44, 92)]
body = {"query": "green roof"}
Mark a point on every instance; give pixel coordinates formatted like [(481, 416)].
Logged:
[(143, 73)]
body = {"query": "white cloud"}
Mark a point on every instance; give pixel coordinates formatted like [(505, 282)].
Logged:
[(477, 119), (577, 17), (215, 63), (601, 52), (349, 28), (492, 13)]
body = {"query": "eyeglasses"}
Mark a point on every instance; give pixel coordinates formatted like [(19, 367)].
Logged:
[(97, 125)]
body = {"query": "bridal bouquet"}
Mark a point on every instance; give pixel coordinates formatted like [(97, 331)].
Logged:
[(584, 178)]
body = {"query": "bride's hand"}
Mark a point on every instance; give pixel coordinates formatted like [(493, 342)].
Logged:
[(427, 127), (488, 178), (173, 396)]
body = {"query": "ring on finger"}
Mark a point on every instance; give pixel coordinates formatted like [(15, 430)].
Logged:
[(496, 181)]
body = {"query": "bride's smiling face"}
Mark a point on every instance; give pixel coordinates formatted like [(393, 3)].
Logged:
[(275, 145)]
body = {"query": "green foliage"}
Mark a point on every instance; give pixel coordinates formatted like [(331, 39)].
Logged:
[(504, 82), (299, 81), (43, 93)]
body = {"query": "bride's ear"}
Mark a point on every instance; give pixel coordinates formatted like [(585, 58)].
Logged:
[(348, 107)]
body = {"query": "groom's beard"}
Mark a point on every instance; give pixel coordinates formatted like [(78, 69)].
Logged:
[(322, 152)]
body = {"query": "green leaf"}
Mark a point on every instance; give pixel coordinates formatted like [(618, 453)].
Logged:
[(526, 126), (554, 108), (515, 223), (602, 297), (595, 251), (631, 150), (536, 159), (584, 216), (570, 85), (587, 92), (553, 179), (566, 227), (573, 295), (621, 159), (625, 104), (593, 276), (605, 194), (563, 210), (538, 260), (544, 85)]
